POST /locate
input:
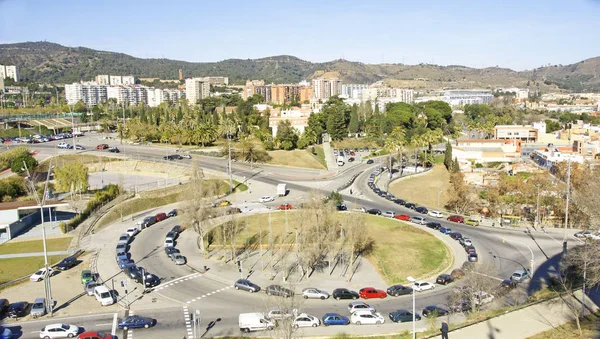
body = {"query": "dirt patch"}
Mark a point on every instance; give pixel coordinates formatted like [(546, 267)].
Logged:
[(295, 158), (423, 189)]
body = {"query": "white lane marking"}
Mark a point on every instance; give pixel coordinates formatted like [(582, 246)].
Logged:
[(36, 332), (188, 321), (107, 324), (67, 318), (114, 325), (489, 276), (130, 331)]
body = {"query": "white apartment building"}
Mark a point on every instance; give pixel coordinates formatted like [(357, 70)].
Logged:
[(116, 80), (460, 97), (216, 80), (118, 92), (157, 96), (325, 88), (196, 89), (128, 80), (10, 72), (91, 95), (353, 91), (103, 80)]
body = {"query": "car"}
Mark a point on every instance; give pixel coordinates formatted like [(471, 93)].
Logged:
[(341, 207), (90, 286), (136, 321), (222, 203), (399, 202), (371, 292), (124, 239), (306, 320), (404, 217), (172, 213), (351, 159), (470, 249), (121, 248), (134, 272), (279, 291), (334, 319), (102, 146), (125, 262), (434, 225), (467, 242), (5, 333), (436, 214), (397, 290), (390, 197), (38, 308), (418, 220), (132, 232), (343, 293), (266, 198), (370, 161), (457, 273), (446, 230), (583, 234), (171, 235), (171, 251), (482, 298), (95, 335), (161, 217), (59, 331), (314, 293), (276, 313), (150, 280), (456, 218), (461, 306), (359, 306), (233, 210), (434, 311), (246, 285), (284, 207), (186, 156), (508, 284), (149, 221), (40, 274), (410, 205), (66, 263), (17, 310), (401, 315), (178, 259), (421, 286), (177, 229), (79, 147), (374, 211), (114, 149), (367, 318), (169, 243), (472, 222), (473, 257), (519, 276), (64, 145), (389, 214), (383, 194), (421, 210), (444, 279), (352, 153), (455, 235)]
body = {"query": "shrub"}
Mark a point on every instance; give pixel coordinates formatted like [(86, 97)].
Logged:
[(17, 163), (63, 227), (109, 193), (269, 145), (6, 158)]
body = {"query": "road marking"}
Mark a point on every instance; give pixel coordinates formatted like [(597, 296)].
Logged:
[(489, 276), (107, 324), (66, 318), (188, 321), (36, 332), (177, 280), (130, 331), (114, 325)]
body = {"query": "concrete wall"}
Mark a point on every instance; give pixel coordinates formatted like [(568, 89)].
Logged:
[(23, 224), (9, 216)]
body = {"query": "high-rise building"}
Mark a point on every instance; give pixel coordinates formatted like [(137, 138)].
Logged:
[(353, 91), (91, 95), (217, 81), (278, 93), (325, 88), (128, 80), (103, 80), (196, 89), (116, 80), (10, 72), (118, 92)]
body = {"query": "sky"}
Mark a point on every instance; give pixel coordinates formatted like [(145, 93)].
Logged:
[(517, 34)]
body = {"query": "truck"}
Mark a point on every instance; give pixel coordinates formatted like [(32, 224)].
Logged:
[(255, 322), (281, 190)]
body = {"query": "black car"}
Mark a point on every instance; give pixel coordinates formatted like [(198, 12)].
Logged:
[(434, 310), (151, 280), (370, 161), (177, 229), (397, 290), (342, 293), (383, 194), (18, 309), (410, 205), (434, 225), (400, 201), (374, 211), (279, 291), (390, 197), (66, 263), (170, 251), (114, 150), (149, 221), (377, 190), (172, 213), (351, 159), (3, 305), (455, 235), (400, 316), (473, 257), (134, 272), (444, 279), (421, 210), (341, 207)]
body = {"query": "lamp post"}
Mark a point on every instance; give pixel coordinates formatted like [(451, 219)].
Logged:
[(537, 214), (567, 206), (414, 321)]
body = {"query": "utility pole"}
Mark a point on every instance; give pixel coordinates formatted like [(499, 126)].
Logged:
[(123, 126), (567, 206), (537, 216), (229, 160)]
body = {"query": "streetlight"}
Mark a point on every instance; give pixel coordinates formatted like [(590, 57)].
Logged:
[(196, 321), (529, 248), (414, 321)]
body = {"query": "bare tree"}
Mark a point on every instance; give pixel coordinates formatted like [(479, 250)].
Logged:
[(283, 311), (476, 280)]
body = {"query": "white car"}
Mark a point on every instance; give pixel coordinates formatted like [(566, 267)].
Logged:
[(436, 214), (41, 273), (367, 318), (388, 214), (314, 293), (266, 198), (594, 236), (132, 231), (421, 286), (186, 156), (59, 331), (306, 320), (482, 298), (467, 242), (169, 243), (63, 145), (360, 306)]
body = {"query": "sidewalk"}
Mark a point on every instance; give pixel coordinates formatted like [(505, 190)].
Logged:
[(33, 254)]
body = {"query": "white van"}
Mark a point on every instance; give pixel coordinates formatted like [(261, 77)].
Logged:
[(255, 322), (103, 295)]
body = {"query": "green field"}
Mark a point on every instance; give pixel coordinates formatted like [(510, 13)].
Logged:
[(56, 244), (11, 269)]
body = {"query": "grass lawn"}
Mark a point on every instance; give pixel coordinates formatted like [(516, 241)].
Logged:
[(11, 269), (428, 254), (423, 189), (295, 158), (589, 327), (320, 155), (56, 244)]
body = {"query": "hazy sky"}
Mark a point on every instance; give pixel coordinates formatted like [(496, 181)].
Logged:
[(519, 34)]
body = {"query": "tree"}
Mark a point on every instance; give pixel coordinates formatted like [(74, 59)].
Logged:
[(354, 123), (17, 163), (71, 177), (455, 166), (448, 157), (461, 197), (552, 126), (286, 135)]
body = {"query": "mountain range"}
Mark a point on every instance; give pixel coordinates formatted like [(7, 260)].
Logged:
[(47, 62)]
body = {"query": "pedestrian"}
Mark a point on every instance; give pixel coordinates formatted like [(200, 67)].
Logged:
[(444, 330)]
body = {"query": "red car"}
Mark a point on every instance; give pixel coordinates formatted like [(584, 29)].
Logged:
[(371, 292), (284, 207), (102, 146), (95, 335), (161, 217), (404, 217), (456, 218)]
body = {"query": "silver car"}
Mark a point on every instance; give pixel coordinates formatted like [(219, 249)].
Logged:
[(38, 308), (178, 259), (314, 293), (90, 286)]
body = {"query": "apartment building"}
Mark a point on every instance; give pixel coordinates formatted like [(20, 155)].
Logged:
[(217, 80), (91, 95), (10, 72), (196, 89), (486, 150), (353, 91), (103, 79), (520, 132), (298, 117), (157, 96), (548, 157), (461, 97), (278, 93), (325, 88), (586, 148)]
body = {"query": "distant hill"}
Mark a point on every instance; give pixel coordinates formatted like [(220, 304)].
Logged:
[(54, 63)]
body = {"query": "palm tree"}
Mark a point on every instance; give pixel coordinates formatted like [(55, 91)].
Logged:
[(395, 142)]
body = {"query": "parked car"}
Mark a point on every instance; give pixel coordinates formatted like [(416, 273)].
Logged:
[(279, 291), (149, 221), (335, 319), (40, 274), (473, 257), (95, 335), (121, 248), (418, 220), (3, 305), (161, 217), (102, 146), (124, 262), (583, 234), (90, 286), (445, 230), (178, 259), (455, 235), (150, 280), (400, 202), (367, 318), (266, 198), (421, 210), (374, 211), (306, 320), (482, 298), (136, 321), (18, 309), (434, 311), (276, 313), (467, 242), (351, 159), (342, 293), (397, 290), (472, 222), (132, 232), (38, 308), (79, 147), (59, 331), (519, 276), (434, 225), (169, 243), (436, 214), (404, 217), (171, 251), (134, 272), (5, 333), (177, 229), (341, 207), (114, 149), (171, 235), (233, 210), (401, 315), (222, 203), (172, 213), (314, 293), (371, 292), (66, 263), (388, 214), (508, 284), (421, 286), (246, 285), (370, 161), (444, 279), (124, 239), (456, 218), (410, 205), (359, 306), (284, 207)]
